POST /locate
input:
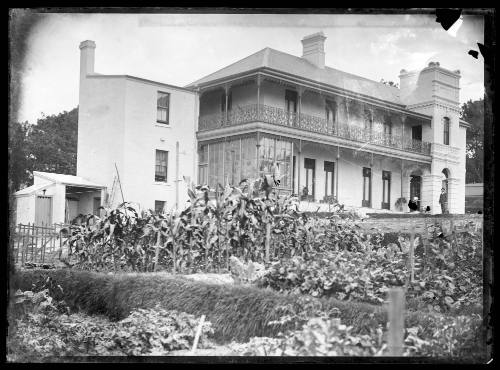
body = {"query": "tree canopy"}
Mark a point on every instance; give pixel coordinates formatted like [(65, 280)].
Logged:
[(49, 146), (473, 113)]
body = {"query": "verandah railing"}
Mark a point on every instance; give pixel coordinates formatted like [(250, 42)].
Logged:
[(307, 122)]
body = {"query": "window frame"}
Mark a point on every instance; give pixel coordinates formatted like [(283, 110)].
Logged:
[(157, 151), (446, 130), (163, 206), (167, 108)]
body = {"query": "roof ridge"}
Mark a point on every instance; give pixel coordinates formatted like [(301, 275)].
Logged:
[(229, 65), (334, 69)]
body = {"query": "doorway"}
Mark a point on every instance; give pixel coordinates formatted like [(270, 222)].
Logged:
[(415, 185), (310, 167), (43, 210), (367, 187), (386, 190)]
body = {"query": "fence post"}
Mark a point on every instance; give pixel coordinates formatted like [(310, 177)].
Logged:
[(34, 240), (395, 312), (412, 253)]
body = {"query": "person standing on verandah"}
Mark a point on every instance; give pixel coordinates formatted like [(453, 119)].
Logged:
[(443, 201), (413, 204)]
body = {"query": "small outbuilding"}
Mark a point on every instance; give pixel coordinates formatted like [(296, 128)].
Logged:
[(57, 198)]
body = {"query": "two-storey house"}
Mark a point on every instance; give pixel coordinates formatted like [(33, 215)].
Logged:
[(332, 133)]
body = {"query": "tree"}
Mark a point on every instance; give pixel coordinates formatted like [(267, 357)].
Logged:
[(48, 146), (18, 155), (389, 83), (473, 113)]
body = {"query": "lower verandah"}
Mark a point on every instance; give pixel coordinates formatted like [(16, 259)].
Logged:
[(356, 178)]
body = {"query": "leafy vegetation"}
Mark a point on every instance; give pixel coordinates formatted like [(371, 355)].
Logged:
[(446, 277), (41, 330)]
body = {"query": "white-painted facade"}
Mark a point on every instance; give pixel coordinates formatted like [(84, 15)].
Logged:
[(117, 125)]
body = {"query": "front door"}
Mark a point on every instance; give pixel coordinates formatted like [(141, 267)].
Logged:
[(329, 176), (43, 210), (367, 187), (415, 182)]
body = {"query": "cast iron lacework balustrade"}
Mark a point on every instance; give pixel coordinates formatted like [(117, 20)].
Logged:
[(277, 116)]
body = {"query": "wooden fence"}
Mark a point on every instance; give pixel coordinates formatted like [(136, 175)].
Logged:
[(420, 225), (37, 243)]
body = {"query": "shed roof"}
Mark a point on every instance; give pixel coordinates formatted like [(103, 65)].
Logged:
[(32, 189), (284, 62)]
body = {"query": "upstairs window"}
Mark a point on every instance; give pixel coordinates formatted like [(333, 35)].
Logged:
[(368, 118), (161, 166), (331, 112), (291, 101), (387, 126), (162, 107), (446, 131)]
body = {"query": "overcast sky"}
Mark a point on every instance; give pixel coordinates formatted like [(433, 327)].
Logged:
[(180, 48)]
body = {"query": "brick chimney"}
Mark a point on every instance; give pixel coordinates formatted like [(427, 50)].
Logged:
[(87, 56), (313, 49)]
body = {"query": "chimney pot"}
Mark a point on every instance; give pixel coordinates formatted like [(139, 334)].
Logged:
[(313, 49)]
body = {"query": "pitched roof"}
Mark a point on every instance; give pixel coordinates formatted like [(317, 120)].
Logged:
[(33, 188), (277, 60), (66, 179)]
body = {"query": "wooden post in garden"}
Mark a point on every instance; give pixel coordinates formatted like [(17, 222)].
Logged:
[(197, 335), (157, 251), (268, 240), (426, 244), (412, 252), (173, 257), (395, 315)]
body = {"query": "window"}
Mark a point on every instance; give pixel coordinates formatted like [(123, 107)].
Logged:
[(368, 119), (290, 105), (387, 126), (331, 112), (329, 174), (161, 166), (310, 167), (446, 131), (159, 206), (367, 187), (386, 190), (203, 165), (416, 133), (162, 107), (223, 101)]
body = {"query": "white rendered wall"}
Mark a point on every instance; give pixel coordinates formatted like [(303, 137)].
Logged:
[(143, 136), (348, 168), (25, 209)]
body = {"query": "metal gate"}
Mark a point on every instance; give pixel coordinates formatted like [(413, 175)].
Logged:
[(43, 210)]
